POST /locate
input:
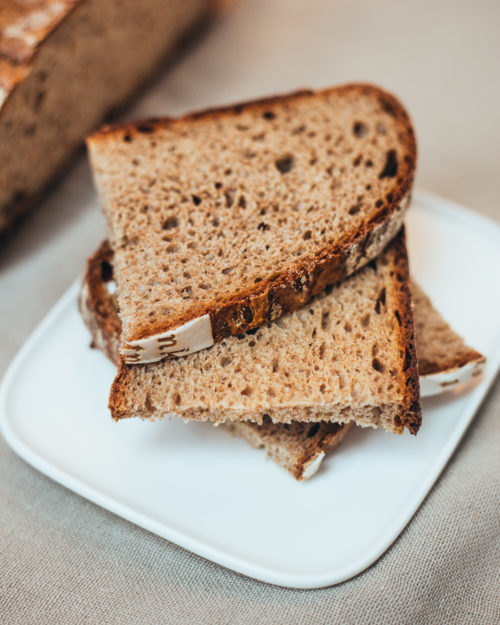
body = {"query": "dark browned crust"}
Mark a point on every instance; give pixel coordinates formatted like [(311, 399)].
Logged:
[(271, 298), (97, 306), (15, 66), (328, 437), (411, 413)]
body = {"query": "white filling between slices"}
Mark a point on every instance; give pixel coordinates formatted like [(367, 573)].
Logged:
[(186, 339), (313, 466)]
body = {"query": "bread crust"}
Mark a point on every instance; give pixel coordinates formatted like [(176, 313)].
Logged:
[(411, 414), (272, 297), (17, 51)]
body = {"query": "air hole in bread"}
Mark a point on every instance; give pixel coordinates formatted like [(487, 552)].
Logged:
[(369, 163), (275, 364), (247, 391), (186, 292), (285, 163), (380, 301), (322, 349), (196, 200), (377, 365), (398, 316), (170, 222), (299, 129), (374, 349), (227, 270), (225, 361), (325, 320), (218, 185), (172, 248), (365, 321), (307, 235), (391, 165), (229, 196), (322, 389), (313, 430), (354, 210), (347, 327), (127, 138), (106, 271), (187, 275), (242, 203), (268, 115), (356, 162), (359, 129), (263, 226)]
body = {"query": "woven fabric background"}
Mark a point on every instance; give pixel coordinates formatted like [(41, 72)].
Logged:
[(63, 560)]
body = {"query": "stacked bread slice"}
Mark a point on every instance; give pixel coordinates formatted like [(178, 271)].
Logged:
[(299, 447), (261, 270)]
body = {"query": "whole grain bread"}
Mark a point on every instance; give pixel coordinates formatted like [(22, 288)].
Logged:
[(66, 64), (298, 447), (224, 220), (347, 356)]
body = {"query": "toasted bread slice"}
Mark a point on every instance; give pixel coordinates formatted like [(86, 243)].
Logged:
[(224, 220), (298, 447), (347, 356)]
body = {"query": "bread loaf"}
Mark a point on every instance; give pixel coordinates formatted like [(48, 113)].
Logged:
[(66, 64)]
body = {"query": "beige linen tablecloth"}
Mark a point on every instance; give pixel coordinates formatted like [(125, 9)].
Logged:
[(63, 560)]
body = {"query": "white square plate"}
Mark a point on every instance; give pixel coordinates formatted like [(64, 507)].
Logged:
[(214, 495)]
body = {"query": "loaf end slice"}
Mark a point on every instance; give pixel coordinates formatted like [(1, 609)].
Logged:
[(224, 220)]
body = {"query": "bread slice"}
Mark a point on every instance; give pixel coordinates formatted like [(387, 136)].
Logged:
[(66, 64), (444, 360), (224, 220), (298, 447), (347, 356)]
